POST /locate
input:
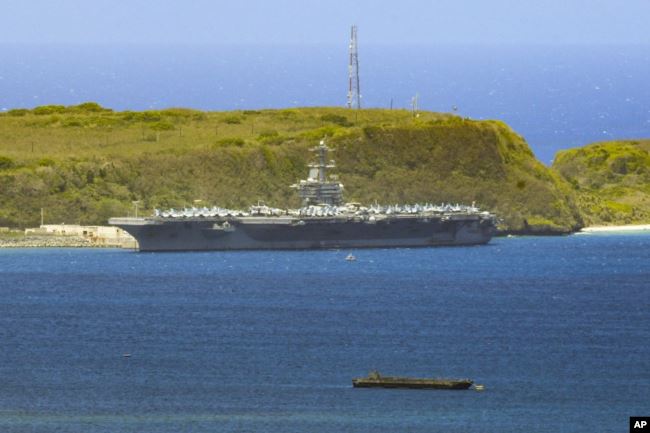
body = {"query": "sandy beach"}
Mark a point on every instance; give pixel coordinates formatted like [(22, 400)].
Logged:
[(625, 228)]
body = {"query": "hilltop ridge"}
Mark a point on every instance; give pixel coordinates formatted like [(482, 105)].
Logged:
[(86, 163), (611, 179)]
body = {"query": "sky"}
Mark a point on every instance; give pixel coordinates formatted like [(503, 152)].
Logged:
[(263, 22)]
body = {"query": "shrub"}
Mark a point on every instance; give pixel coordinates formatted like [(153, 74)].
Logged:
[(69, 122), (148, 116), (320, 133), (232, 120), (230, 141), (48, 109), (128, 115), (18, 112), (371, 131), (162, 125), (269, 133), (6, 162), (183, 114), (90, 107), (179, 112), (101, 121), (287, 114), (335, 118), (271, 136)]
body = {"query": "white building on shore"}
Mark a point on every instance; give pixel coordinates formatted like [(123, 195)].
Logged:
[(98, 235)]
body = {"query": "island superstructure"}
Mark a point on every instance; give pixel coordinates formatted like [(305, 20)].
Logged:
[(324, 221)]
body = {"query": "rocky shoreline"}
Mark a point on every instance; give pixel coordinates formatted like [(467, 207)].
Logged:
[(23, 241)]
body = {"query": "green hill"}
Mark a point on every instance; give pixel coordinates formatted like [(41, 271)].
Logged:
[(86, 163), (612, 180)]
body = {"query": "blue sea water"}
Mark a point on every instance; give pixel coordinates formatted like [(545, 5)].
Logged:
[(556, 328), (556, 96)]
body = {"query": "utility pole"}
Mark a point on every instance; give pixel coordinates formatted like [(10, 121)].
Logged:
[(414, 105), (354, 91)]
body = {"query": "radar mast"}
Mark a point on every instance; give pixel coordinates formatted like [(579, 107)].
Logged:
[(317, 189)]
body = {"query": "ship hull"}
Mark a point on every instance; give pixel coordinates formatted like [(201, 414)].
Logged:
[(399, 382), (264, 233)]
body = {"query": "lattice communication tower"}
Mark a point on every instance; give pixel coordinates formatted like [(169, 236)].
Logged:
[(354, 95)]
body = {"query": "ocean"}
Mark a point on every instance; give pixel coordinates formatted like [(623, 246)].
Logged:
[(556, 96), (108, 340)]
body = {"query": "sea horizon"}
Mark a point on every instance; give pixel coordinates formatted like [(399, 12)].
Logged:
[(555, 96)]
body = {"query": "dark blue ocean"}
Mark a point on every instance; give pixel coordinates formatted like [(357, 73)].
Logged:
[(556, 328), (556, 96)]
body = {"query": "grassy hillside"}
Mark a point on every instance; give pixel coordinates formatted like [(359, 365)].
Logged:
[(612, 180), (85, 163)]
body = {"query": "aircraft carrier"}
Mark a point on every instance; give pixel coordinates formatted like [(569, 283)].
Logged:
[(324, 221)]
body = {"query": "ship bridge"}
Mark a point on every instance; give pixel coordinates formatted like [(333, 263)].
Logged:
[(317, 188)]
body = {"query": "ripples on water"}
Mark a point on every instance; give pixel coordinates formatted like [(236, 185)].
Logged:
[(556, 329)]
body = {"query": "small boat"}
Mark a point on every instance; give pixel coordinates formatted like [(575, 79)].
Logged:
[(376, 380), (350, 258)]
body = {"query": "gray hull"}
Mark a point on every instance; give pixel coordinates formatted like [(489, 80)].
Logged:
[(261, 233)]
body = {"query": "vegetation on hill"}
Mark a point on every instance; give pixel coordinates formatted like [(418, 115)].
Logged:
[(84, 164), (612, 180)]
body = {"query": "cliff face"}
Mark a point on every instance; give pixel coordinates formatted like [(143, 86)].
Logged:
[(86, 165), (457, 160), (611, 179)]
